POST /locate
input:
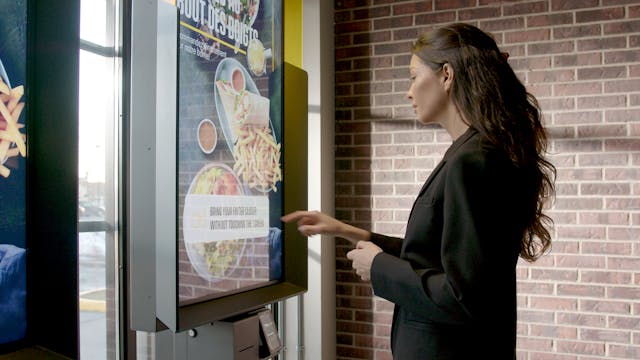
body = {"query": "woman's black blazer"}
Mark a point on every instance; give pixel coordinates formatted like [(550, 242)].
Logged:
[(452, 277)]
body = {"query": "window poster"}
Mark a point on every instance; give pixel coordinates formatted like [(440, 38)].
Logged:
[(229, 147), (13, 24)]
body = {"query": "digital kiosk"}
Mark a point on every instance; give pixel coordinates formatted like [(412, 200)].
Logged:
[(217, 154)]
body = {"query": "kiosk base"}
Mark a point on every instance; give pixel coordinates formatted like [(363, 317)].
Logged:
[(250, 336)]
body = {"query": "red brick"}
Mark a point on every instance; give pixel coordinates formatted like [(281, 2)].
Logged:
[(554, 274), (511, 23), (600, 15), (553, 303), (598, 102), (561, 33), (453, 4), (582, 88), (435, 18), (344, 339), (354, 353), (582, 59), (393, 22), (535, 288), (478, 13), (625, 351), (415, 7), (606, 307), (612, 57), (586, 348), (525, 8), (619, 42), (371, 37), (354, 51), (582, 232), (552, 76), (530, 63), (536, 316), (550, 331), (527, 35), (614, 145), (581, 262), (347, 4), (551, 19), (622, 86), (355, 26), (625, 174), (581, 319), (624, 322), (572, 4), (581, 290), (613, 218), (372, 12), (621, 27), (394, 48), (611, 72), (622, 233), (583, 117), (535, 344), (605, 189), (622, 204), (383, 355), (634, 11)]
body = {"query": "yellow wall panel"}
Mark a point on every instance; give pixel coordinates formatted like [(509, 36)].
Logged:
[(293, 32)]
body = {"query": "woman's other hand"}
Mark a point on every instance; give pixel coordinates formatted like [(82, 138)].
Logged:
[(362, 257)]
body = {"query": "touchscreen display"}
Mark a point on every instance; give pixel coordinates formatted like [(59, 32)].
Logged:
[(230, 147)]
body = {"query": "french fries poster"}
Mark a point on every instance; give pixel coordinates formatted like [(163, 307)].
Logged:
[(13, 152), (229, 145)]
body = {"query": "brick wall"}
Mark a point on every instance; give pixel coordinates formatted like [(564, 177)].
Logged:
[(581, 58)]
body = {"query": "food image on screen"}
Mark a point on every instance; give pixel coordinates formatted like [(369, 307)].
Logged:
[(217, 259), (220, 256), (12, 141), (244, 118), (257, 158), (222, 260)]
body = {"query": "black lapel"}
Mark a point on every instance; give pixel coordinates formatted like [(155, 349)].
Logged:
[(450, 151)]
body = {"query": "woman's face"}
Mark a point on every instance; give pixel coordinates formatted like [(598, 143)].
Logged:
[(427, 93)]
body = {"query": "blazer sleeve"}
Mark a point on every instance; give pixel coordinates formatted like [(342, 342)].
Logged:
[(479, 248), (390, 245)]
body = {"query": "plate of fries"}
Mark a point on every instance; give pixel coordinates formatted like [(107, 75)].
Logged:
[(12, 137)]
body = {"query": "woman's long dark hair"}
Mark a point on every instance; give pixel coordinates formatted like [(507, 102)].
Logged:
[(493, 100)]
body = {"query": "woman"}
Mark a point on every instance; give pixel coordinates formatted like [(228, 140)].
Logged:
[(452, 278)]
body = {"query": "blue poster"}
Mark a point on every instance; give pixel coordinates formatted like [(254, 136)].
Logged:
[(13, 31), (229, 147)]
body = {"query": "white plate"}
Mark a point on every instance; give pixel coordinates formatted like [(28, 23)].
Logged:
[(195, 250), (4, 75), (5, 78)]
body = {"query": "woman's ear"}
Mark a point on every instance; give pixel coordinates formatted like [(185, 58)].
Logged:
[(447, 77)]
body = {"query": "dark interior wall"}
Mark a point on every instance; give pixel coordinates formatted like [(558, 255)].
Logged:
[(52, 181)]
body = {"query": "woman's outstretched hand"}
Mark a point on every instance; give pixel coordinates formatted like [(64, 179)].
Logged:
[(314, 222)]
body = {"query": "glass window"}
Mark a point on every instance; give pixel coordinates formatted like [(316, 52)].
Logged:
[(99, 113)]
